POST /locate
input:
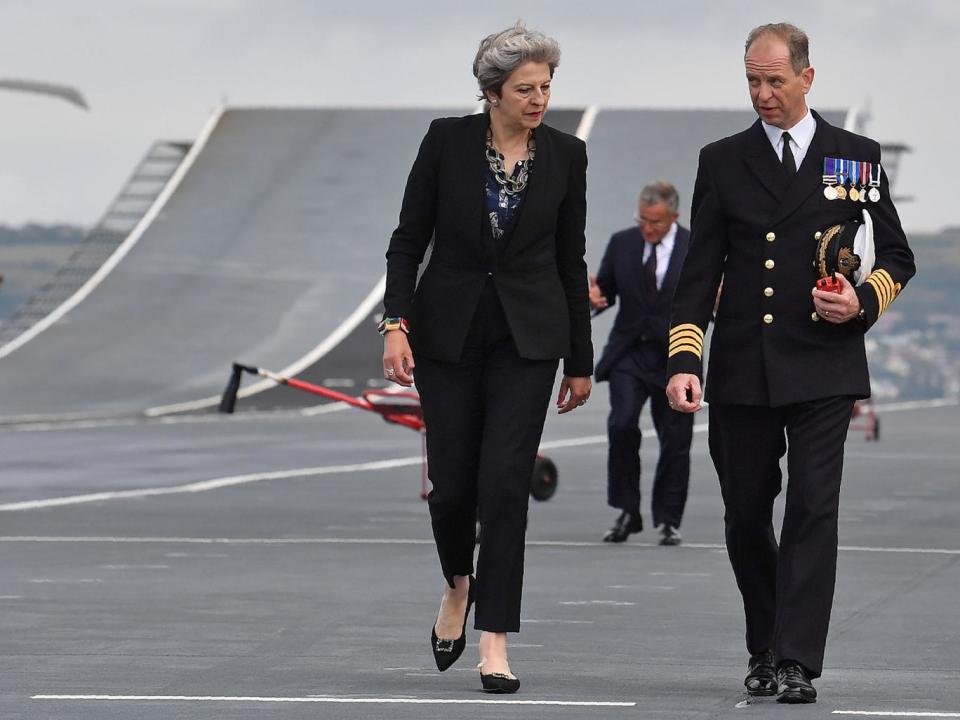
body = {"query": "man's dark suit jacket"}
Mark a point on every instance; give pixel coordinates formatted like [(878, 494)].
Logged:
[(540, 276), (640, 324), (756, 229)]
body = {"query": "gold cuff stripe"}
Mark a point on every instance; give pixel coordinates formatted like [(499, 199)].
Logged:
[(885, 288), (686, 326), (686, 335), (884, 277), (895, 287), (681, 347), (685, 348), (882, 293), (686, 340), (882, 305)]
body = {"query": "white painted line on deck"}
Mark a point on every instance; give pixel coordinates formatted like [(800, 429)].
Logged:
[(898, 713), (586, 122), (214, 541), (713, 547), (213, 484), (64, 580), (333, 700)]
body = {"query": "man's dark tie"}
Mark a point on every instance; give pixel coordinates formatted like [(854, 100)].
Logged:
[(650, 273), (789, 163)]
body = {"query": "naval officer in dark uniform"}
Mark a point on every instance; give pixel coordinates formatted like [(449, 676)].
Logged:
[(787, 360)]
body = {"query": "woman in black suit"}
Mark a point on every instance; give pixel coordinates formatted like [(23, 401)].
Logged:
[(502, 300)]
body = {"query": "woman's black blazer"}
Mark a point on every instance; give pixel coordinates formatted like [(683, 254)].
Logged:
[(540, 275)]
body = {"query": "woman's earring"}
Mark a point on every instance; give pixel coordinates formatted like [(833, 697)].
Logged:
[(495, 102)]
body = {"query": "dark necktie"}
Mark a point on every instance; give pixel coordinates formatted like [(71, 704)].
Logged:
[(789, 163), (650, 273)]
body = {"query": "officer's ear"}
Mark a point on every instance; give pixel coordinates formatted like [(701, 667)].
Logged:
[(806, 78)]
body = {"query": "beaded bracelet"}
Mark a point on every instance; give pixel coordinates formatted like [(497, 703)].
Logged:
[(393, 323)]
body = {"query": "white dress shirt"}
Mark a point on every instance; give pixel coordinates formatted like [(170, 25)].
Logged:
[(801, 135), (664, 249)]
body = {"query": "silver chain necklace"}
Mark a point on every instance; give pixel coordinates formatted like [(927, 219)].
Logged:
[(510, 184)]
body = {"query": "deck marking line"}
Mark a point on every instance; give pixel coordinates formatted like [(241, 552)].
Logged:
[(336, 700)]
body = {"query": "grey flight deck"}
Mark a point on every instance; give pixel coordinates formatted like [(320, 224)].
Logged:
[(326, 585), (266, 247)]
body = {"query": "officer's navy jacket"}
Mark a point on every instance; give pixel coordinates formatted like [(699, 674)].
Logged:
[(755, 229)]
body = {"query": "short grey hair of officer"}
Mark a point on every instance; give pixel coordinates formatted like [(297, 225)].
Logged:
[(503, 52), (660, 191)]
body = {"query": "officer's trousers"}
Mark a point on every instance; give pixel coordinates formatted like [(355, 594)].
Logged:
[(787, 589), (629, 390), (484, 417)]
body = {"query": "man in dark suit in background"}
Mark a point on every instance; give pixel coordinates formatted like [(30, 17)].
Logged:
[(787, 359), (641, 266)]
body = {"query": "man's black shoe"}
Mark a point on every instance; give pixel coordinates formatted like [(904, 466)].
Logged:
[(795, 685), (669, 535), (761, 677), (626, 524)]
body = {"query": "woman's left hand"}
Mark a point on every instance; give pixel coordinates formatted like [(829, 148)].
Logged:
[(574, 392)]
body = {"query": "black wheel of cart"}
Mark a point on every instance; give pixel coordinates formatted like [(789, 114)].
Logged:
[(543, 484)]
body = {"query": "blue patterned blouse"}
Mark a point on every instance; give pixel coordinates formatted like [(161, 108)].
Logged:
[(502, 207)]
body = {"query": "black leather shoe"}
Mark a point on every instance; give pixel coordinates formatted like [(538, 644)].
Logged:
[(626, 524), (795, 685), (499, 683), (761, 677), (447, 652), (669, 535)]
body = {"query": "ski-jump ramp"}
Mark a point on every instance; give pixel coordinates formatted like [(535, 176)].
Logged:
[(272, 239)]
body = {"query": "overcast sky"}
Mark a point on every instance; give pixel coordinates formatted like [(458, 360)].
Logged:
[(154, 69)]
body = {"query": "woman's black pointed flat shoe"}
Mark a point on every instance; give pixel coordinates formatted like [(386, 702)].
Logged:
[(499, 683), (447, 652)]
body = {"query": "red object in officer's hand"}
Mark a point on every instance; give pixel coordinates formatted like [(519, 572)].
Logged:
[(829, 283)]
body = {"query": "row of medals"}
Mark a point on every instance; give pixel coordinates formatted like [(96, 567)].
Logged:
[(858, 191), (861, 194)]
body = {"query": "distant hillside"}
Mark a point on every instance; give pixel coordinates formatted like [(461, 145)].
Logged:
[(935, 288), (41, 235), (29, 256), (914, 349)]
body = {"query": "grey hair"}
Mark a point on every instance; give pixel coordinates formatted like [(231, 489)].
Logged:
[(796, 39), (660, 191), (503, 52)]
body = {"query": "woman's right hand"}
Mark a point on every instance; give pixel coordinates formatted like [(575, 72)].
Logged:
[(397, 358)]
